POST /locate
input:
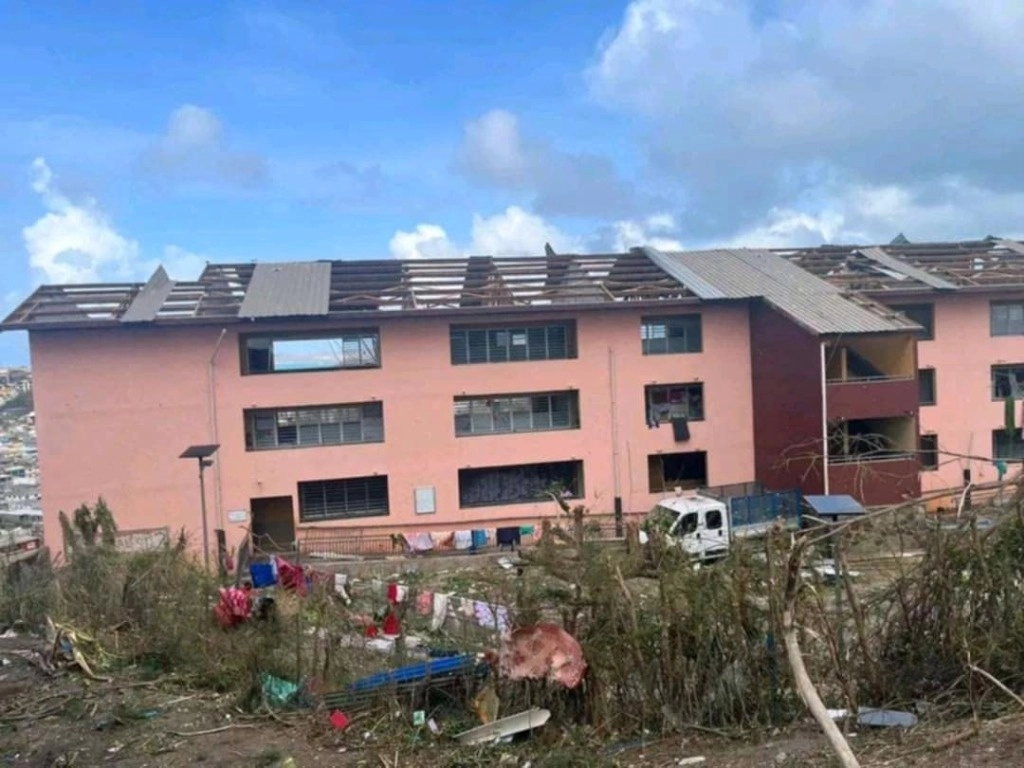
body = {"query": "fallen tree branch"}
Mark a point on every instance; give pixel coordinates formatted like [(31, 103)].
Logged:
[(802, 680), (189, 734), (999, 684)]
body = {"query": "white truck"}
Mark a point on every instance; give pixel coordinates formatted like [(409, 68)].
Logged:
[(706, 522)]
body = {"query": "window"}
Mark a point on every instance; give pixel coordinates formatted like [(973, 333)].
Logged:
[(317, 352), (1008, 381), (339, 499), (1007, 318), (926, 386), (664, 402), (923, 315), (928, 450), (556, 341), (516, 413), (1006, 446), (713, 519), (671, 335), (518, 484), (668, 471), (320, 425)]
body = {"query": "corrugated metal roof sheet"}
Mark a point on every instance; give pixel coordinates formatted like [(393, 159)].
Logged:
[(150, 299), (289, 289), (693, 281), (809, 301), (879, 256)]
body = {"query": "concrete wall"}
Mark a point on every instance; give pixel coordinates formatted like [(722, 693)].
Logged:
[(964, 415), (115, 407)]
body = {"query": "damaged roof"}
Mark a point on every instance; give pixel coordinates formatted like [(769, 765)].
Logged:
[(338, 289), (816, 305), (901, 266)]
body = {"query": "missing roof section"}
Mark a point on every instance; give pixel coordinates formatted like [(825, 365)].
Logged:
[(289, 289), (989, 263), (880, 257)]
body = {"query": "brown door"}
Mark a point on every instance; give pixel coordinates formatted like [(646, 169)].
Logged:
[(273, 523)]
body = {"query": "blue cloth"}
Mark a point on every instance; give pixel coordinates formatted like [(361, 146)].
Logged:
[(262, 575), (479, 539)]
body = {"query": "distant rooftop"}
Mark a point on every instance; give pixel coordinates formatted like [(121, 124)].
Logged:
[(901, 265), (323, 290)]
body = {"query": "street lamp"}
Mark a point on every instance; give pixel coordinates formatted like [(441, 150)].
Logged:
[(202, 454)]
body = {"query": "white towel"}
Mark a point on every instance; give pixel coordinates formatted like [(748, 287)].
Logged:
[(463, 539), (440, 611)]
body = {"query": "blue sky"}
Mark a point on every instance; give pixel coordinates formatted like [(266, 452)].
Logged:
[(212, 131)]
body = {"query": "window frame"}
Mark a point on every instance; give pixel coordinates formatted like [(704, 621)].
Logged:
[(928, 334), (696, 328), (507, 336), (649, 407), (478, 406), (1018, 439), (252, 416), (367, 480), (341, 336), (931, 466), (993, 306), (995, 370), (578, 492), (934, 387)]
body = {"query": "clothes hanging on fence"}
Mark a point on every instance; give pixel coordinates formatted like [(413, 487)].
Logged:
[(490, 618), (397, 593), (463, 539), (419, 542), (439, 611)]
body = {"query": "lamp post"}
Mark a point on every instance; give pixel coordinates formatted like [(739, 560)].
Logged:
[(202, 454)]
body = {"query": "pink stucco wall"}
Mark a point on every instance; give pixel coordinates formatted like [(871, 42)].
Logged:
[(962, 353), (116, 407)]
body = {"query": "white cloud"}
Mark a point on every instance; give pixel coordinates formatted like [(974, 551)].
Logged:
[(754, 113), (495, 151), (514, 232), (653, 231), (182, 264), (73, 243), (195, 149)]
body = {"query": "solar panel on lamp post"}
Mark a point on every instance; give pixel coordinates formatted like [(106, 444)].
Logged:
[(203, 454)]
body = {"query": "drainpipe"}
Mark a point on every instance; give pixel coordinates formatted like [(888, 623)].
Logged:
[(615, 443), (211, 383), (824, 417)]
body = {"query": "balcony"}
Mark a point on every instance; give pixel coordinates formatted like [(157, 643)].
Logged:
[(871, 376), (874, 460)]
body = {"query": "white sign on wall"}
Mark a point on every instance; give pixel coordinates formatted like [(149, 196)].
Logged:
[(238, 515), (426, 503)]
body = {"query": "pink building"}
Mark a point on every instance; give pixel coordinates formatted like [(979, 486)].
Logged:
[(969, 298), (446, 395)]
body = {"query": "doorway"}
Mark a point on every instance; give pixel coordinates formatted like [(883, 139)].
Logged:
[(273, 524)]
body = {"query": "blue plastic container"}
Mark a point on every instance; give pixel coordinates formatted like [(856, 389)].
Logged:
[(262, 575)]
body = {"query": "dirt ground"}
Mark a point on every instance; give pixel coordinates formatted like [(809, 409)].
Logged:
[(54, 721)]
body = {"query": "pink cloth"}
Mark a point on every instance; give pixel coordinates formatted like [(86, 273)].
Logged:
[(543, 651), (233, 607)]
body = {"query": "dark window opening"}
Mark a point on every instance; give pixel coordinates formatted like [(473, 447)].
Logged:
[(520, 483), (872, 440), (671, 335), (665, 402), (1007, 446), (928, 450), (316, 352), (556, 341), (320, 425), (923, 315), (539, 412), (1008, 381), (926, 386), (1007, 318), (713, 519), (668, 471), (344, 498)]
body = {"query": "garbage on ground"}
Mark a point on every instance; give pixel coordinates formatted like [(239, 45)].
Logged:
[(278, 692), (543, 651), (419, 718), (877, 718), (66, 648), (339, 720), (233, 606), (486, 704), (505, 728)]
